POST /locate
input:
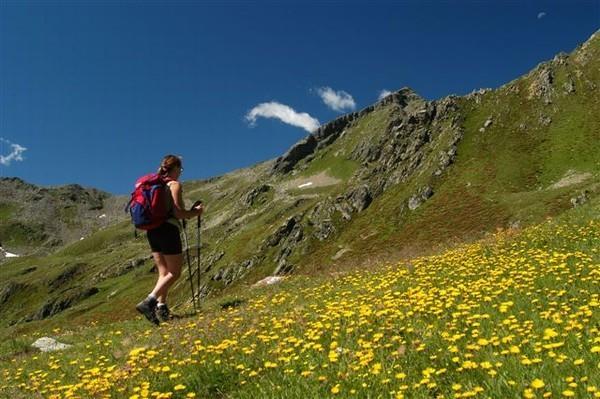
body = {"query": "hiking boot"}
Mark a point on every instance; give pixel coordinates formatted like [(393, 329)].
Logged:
[(148, 308), (163, 313)]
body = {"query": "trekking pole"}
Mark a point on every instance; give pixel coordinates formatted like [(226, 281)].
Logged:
[(198, 224), (187, 252)]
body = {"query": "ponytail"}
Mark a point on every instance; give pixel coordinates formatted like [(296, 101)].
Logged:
[(168, 163)]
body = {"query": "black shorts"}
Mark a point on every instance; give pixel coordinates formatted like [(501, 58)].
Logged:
[(165, 239)]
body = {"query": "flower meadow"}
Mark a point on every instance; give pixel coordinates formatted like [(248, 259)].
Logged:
[(513, 316)]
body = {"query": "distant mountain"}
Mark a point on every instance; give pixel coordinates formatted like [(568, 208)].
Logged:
[(402, 177), (37, 219)]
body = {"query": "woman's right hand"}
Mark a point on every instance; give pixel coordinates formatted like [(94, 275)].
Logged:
[(199, 209)]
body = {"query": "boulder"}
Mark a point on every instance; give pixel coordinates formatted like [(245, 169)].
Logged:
[(268, 281), (47, 344)]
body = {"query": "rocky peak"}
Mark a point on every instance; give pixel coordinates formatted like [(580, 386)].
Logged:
[(406, 99)]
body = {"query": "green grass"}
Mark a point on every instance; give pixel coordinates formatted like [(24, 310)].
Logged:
[(490, 317), (7, 209), (337, 167)]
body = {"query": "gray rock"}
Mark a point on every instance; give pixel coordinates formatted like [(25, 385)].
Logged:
[(251, 197), (360, 198), (57, 305), (47, 344), (324, 230), (283, 268), (268, 281), (282, 232), (219, 275), (325, 134), (545, 120), (542, 84), (66, 276), (419, 198), (344, 208), (11, 289), (212, 259), (580, 199)]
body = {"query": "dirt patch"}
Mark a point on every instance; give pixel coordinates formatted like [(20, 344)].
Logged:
[(570, 178), (319, 180)]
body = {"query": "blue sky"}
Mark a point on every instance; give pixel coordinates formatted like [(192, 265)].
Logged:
[(96, 92)]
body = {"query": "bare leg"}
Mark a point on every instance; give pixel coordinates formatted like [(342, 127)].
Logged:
[(171, 270), (161, 265)]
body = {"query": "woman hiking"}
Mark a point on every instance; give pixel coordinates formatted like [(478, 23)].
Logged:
[(165, 242)]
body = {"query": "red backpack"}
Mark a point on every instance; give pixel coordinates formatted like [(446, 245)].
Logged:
[(148, 204)]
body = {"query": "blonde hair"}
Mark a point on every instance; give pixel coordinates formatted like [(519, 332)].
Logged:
[(168, 163)]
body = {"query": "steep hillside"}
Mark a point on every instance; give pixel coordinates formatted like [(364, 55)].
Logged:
[(513, 315), (400, 178)]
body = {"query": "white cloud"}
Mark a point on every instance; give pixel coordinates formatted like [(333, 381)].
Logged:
[(283, 113), (384, 93), (541, 15), (336, 100), (15, 154)]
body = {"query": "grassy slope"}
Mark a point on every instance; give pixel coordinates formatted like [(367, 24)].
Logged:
[(491, 317)]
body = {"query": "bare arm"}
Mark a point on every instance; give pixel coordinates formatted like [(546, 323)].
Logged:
[(179, 206)]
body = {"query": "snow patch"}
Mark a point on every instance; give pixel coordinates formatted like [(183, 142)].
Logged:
[(7, 254), (306, 184)]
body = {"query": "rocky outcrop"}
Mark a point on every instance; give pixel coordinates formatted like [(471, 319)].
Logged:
[(360, 198), (123, 268), (541, 87), (57, 305), (407, 142), (320, 219), (576, 201), (325, 135), (234, 272), (210, 260), (66, 276), (254, 195), (282, 232), (420, 197), (11, 289)]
